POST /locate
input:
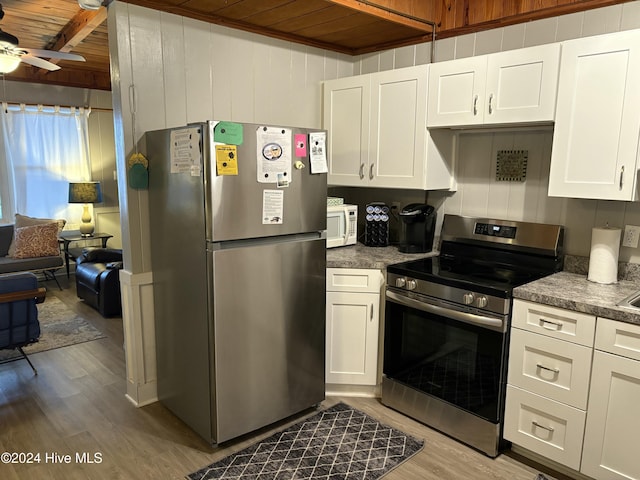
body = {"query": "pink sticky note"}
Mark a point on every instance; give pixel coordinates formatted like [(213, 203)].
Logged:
[(301, 144)]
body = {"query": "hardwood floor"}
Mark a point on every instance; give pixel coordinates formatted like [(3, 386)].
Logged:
[(76, 406)]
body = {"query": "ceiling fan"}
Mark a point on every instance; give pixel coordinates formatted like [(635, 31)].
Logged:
[(11, 55)]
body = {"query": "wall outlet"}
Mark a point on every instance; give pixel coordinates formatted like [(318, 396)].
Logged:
[(395, 206), (631, 236)]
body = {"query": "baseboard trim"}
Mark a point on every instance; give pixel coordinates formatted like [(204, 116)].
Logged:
[(142, 395), (363, 391)]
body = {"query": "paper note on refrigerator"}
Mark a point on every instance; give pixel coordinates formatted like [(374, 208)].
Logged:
[(273, 154), (228, 132), (226, 160), (185, 150), (300, 140), (272, 207), (318, 157)]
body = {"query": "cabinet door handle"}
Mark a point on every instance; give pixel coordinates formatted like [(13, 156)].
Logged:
[(621, 176), (371, 171), (490, 106), (552, 325), (361, 171), (548, 369), (371, 315), (475, 105), (548, 429)]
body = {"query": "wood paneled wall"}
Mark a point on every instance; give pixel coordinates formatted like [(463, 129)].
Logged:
[(457, 17)]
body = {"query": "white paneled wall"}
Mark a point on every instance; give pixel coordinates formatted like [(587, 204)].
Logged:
[(169, 71), (478, 192)]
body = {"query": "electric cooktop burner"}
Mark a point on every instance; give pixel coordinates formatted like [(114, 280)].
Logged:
[(466, 274), (488, 256)]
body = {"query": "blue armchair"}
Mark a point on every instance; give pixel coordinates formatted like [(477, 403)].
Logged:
[(19, 325)]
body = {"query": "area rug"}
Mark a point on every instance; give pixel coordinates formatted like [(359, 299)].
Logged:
[(339, 443), (59, 327)]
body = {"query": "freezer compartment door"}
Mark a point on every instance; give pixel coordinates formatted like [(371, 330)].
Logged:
[(269, 323), (255, 201)]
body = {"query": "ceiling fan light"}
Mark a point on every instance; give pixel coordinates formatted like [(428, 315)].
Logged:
[(90, 4), (8, 62)]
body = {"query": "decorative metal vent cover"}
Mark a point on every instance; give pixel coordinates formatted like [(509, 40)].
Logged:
[(512, 165)]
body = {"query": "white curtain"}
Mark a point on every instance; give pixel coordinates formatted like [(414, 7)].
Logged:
[(45, 148)]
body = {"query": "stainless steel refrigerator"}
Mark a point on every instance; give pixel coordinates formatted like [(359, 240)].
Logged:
[(237, 223)]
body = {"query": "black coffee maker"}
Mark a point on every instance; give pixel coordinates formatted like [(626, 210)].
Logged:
[(418, 228)]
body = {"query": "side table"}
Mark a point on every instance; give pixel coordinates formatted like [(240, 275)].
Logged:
[(66, 238)]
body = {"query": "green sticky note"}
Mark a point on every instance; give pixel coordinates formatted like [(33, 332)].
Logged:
[(228, 132)]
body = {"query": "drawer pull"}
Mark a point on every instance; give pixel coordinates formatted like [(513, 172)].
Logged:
[(548, 369), (549, 325), (548, 429)]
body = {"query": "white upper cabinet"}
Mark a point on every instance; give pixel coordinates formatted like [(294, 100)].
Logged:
[(398, 127), (377, 132), (456, 90), (595, 142), (346, 117), (513, 87)]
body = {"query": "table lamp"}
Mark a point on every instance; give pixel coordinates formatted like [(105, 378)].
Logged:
[(86, 193)]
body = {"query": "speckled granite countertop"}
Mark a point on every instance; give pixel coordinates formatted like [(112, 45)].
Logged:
[(361, 256), (574, 292), (563, 290)]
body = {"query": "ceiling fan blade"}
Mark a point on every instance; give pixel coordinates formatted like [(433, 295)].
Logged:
[(54, 54), (39, 62)]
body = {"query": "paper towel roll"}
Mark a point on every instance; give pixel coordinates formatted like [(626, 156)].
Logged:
[(603, 261)]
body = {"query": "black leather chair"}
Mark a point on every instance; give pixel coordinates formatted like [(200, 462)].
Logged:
[(98, 279), (19, 325)]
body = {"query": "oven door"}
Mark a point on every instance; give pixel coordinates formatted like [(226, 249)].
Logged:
[(445, 351)]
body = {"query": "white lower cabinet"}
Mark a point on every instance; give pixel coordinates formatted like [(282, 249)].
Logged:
[(613, 421), (548, 381), (575, 401), (352, 330), (546, 427)]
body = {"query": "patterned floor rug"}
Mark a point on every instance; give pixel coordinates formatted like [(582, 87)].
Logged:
[(339, 443), (59, 327)]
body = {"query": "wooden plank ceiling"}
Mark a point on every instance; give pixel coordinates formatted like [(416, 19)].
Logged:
[(348, 26)]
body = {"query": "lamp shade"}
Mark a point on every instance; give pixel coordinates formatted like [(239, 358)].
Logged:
[(8, 62), (85, 192)]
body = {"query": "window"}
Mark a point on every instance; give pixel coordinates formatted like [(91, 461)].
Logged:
[(44, 149)]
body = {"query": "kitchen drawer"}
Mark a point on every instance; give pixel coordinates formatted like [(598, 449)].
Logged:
[(619, 338), (548, 428), (550, 367), (554, 322), (354, 280)]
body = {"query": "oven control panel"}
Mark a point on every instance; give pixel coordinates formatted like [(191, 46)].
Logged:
[(470, 298), (492, 230), (446, 293)]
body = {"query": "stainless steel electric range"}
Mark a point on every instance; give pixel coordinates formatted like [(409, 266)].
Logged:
[(447, 322)]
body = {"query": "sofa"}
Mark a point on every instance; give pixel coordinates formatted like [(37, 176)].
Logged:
[(98, 279), (46, 264)]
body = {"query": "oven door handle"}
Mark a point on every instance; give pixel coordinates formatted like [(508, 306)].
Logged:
[(471, 318)]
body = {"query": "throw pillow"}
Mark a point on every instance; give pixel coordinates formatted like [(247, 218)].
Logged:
[(36, 241), (25, 221)]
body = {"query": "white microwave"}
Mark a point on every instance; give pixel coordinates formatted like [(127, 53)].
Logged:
[(342, 225)]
